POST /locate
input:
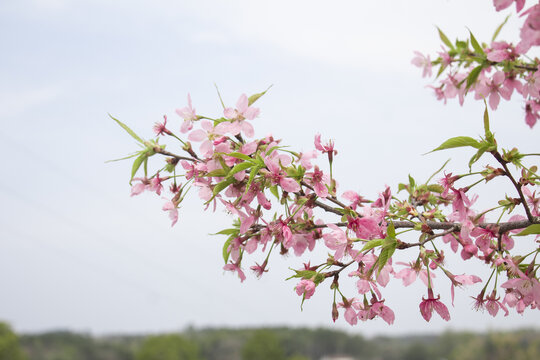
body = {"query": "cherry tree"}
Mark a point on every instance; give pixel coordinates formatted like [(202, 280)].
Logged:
[(280, 199)]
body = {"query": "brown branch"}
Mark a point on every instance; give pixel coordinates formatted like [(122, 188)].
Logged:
[(514, 182), (161, 151)]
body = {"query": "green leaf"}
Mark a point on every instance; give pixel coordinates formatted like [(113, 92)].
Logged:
[(498, 30), (459, 141), (445, 39), (274, 191), (412, 182), (385, 255), (304, 274), (221, 186), (254, 171), (239, 155), (476, 46), (129, 131), (227, 232), (473, 76), (256, 97), (435, 188), (216, 173), (225, 250), (137, 164), (372, 244), (477, 156), (391, 231), (239, 167), (530, 230)]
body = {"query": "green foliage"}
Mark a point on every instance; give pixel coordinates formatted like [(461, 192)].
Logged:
[(168, 347), (263, 345), (9, 344)]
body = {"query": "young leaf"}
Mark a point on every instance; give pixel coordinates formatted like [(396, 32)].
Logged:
[(220, 187), (129, 131), (372, 244), (240, 156), (239, 167), (459, 141), (137, 164), (473, 76), (498, 30), (530, 230), (445, 40), (476, 46), (225, 250), (256, 97)]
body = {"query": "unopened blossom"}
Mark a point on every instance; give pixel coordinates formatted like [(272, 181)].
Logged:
[(431, 303), (422, 61), (189, 115), (305, 288)]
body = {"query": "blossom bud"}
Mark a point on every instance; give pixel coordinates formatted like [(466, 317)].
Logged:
[(335, 312)]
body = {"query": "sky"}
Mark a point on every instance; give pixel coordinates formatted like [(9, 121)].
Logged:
[(78, 253)]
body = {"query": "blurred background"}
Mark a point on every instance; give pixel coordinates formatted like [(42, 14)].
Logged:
[(77, 253)]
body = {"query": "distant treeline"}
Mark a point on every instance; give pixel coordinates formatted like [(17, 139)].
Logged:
[(269, 344)]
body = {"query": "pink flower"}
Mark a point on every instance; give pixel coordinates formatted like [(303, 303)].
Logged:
[(431, 303), (350, 315), (235, 267), (411, 272), (503, 4), (336, 240), (278, 176), (319, 181), (354, 198), (238, 116), (172, 208), (422, 61), (493, 304), (492, 89), (155, 184), (206, 135), (383, 311), (140, 187), (160, 128), (327, 148), (530, 32), (188, 114), (306, 288), (531, 112)]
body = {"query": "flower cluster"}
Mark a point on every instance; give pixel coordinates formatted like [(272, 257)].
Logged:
[(490, 71), (280, 199)]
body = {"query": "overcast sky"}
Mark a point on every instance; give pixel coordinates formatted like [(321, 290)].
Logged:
[(77, 252)]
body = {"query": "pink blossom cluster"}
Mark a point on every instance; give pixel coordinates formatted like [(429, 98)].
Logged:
[(279, 199), (491, 71)]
